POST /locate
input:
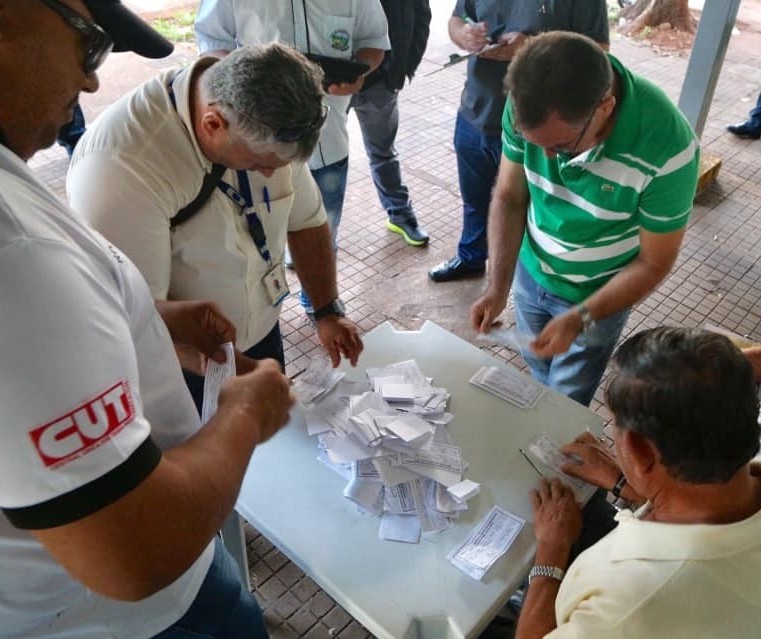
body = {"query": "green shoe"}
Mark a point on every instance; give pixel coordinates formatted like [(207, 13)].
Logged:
[(407, 226)]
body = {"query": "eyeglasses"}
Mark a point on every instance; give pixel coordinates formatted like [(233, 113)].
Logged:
[(584, 128), (297, 131), (99, 43)]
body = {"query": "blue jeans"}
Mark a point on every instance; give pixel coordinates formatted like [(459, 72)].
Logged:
[(222, 609), (478, 158), (754, 117), (377, 111), (331, 180), (271, 345), (577, 372)]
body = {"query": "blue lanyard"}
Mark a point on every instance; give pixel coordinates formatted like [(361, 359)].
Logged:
[(242, 197)]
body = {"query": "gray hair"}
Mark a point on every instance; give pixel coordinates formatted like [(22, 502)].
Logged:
[(263, 90)]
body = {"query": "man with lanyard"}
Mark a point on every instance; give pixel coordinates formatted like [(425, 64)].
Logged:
[(344, 29), (111, 491), (257, 112), (594, 191), (497, 28)]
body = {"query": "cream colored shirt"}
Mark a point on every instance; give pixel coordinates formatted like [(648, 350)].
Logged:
[(139, 163), (650, 580)]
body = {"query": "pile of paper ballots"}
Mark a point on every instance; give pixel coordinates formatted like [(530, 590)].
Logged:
[(388, 438)]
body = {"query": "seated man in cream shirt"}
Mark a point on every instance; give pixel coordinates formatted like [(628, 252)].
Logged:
[(258, 112), (685, 564)]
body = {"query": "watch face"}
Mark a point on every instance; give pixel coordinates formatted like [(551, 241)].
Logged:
[(339, 308)]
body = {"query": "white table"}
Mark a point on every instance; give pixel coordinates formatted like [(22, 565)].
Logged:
[(397, 590)]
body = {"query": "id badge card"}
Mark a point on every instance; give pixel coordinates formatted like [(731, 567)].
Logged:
[(276, 284)]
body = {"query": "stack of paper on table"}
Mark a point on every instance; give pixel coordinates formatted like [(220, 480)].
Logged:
[(510, 384), (388, 439)]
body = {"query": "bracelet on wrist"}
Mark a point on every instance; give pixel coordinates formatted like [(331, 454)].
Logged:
[(618, 486)]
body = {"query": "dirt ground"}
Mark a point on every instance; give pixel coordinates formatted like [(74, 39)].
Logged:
[(744, 42)]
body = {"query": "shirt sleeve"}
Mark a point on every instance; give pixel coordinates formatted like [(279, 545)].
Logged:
[(74, 435), (371, 26), (308, 210), (463, 7), (513, 145), (115, 199), (215, 26), (666, 203), (590, 18)]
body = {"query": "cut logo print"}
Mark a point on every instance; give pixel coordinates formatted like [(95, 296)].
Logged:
[(85, 428)]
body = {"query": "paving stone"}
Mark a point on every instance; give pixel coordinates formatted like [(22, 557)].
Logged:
[(319, 631), (305, 589), (302, 620), (286, 605), (321, 604), (337, 618), (271, 590), (290, 574), (355, 630)]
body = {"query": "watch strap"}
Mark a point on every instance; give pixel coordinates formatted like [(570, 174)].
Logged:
[(546, 571), (618, 486), (586, 317), (334, 307)]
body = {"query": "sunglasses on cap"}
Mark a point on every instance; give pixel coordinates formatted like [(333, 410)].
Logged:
[(99, 43)]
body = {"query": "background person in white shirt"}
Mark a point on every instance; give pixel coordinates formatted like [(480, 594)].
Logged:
[(346, 29), (257, 112), (685, 564)]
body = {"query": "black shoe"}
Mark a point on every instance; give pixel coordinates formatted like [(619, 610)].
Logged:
[(745, 130), (455, 269), (406, 225)]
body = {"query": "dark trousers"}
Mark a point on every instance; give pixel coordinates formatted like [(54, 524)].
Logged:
[(269, 346), (478, 158)]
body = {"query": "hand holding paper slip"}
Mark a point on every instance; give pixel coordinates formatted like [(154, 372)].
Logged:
[(212, 383)]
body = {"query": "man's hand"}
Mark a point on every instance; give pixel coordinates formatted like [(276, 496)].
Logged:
[(558, 335), (596, 462), (197, 329), (474, 36), (557, 522), (347, 88), (509, 45), (486, 310), (340, 336), (264, 395)]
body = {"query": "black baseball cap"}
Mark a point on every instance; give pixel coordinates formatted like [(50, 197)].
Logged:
[(127, 30)]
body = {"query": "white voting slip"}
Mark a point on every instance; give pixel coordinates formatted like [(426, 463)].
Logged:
[(408, 590)]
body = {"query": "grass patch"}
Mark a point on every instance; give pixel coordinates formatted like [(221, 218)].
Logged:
[(177, 27)]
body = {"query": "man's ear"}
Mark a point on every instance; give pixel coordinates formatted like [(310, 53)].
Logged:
[(212, 123), (640, 453)]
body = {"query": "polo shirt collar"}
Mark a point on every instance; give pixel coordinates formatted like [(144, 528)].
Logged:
[(181, 84), (650, 540)]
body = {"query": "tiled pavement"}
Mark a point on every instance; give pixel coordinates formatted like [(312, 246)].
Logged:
[(716, 278)]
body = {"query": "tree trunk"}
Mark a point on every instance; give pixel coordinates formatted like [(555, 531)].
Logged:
[(652, 13)]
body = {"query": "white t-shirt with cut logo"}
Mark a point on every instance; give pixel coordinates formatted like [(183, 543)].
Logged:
[(88, 375)]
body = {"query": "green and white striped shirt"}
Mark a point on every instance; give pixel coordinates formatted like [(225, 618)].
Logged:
[(585, 213)]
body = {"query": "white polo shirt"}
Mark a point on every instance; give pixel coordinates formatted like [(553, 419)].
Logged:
[(139, 163), (90, 388), (650, 580), (336, 28)]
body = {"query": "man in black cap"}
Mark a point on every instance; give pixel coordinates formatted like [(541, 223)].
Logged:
[(111, 492)]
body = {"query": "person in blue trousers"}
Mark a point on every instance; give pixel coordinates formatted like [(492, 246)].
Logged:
[(751, 128)]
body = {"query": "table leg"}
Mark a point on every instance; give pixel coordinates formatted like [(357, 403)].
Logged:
[(235, 542)]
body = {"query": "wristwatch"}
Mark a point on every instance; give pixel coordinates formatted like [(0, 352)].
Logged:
[(335, 307), (587, 323), (546, 571)]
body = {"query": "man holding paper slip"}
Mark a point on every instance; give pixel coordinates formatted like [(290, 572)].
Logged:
[(686, 563), (595, 188)]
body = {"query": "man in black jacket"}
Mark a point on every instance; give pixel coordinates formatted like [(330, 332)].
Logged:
[(378, 112)]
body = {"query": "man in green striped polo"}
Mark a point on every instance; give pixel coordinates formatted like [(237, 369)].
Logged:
[(594, 191)]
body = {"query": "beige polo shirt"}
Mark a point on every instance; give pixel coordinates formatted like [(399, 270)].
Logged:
[(139, 163), (649, 580)]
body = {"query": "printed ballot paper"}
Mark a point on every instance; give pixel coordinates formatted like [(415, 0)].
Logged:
[(389, 439), (212, 382), (487, 543)]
